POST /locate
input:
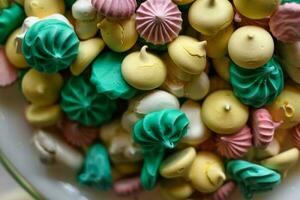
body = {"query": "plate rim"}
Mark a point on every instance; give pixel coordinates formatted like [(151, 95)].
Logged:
[(21, 180)]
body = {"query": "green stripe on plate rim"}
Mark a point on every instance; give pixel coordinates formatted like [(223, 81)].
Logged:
[(19, 178)]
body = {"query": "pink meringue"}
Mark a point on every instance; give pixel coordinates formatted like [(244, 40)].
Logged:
[(116, 9), (235, 145), (224, 192), (158, 21), (8, 74), (126, 187), (78, 135), (296, 136), (244, 21), (284, 23), (263, 127)]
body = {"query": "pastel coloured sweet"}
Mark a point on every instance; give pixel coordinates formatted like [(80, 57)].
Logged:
[(40, 88), (88, 51), (217, 45), (286, 108), (14, 58), (119, 9), (96, 170), (87, 29), (43, 116), (197, 132), (282, 162), (178, 164), (43, 8), (155, 133), (4, 4), (252, 178), (284, 23), (77, 134), (245, 21), (296, 136), (10, 19), (257, 87), (235, 145), (81, 103), (53, 150), (188, 54), (119, 35), (143, 104), (107, 76), (176, 189), (251, 47), (207, 173), (183, 2), (127, 187), (225, 191), (158, 21), (143, 70), (8, 73), (289, 53), (223, 113), (210, 16), (271, 150), (42, 48), (263, 127), (256, 9), (217, 83), (221, 66)]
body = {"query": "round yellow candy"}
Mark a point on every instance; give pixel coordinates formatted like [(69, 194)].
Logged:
[(221, 66), (217, 45), (223, 113), (207, 172), (143, 70), (119, 35), (188, 54), (176, 189), (286, 107), (40, 88), (256, 9), (15, 58), (210, 16), (43, 8), (43, 116), (251, 47)]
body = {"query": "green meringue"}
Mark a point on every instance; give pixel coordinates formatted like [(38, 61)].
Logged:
[(107, 76), (252, 178), (290, 1), (155, 133), (96, 169), (10, 19), (257, 87), (81, 102), (50, 46)]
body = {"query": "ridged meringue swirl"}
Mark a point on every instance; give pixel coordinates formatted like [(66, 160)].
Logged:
[(284, 23), (296, 136), (235, 145), (50, 45), (81, 102), (10, 18), (263, 127), (252, 178), (128, 187), (224, 192), (107, 76), (117, 9), (158, 21), (257, 87), (155, 133), (96, 168)]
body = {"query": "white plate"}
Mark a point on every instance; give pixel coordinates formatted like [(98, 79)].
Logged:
[(56, 183)]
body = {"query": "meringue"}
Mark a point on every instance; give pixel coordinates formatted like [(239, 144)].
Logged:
[(43, 8), (8, 73)]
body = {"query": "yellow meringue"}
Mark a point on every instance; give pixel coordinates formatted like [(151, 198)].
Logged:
[(143, 70), (216, 83), (41, 89), (43, 8), (176, 189), (221, 66), (88, 51)]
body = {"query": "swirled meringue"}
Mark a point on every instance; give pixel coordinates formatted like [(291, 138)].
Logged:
[(296, 136), (129, 186), (235, 145), (158, 21), (224, 192), (117, 9), (263, 127)]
